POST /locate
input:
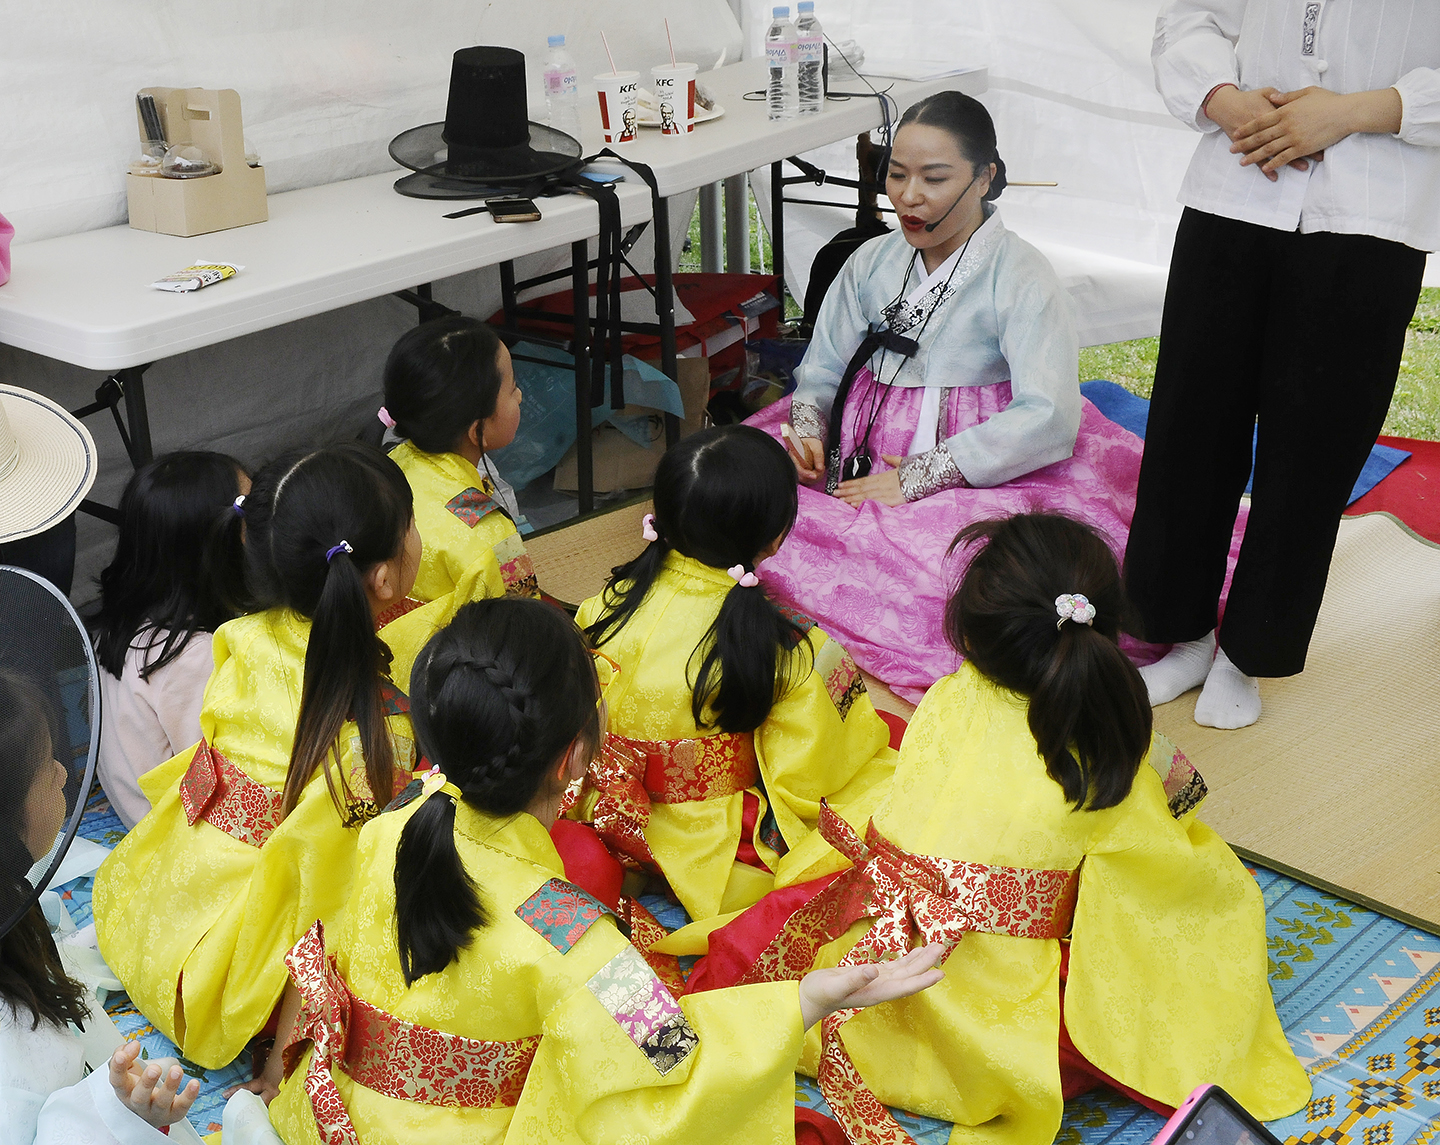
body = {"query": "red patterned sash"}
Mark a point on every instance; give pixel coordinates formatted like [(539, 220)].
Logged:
[(396, 1058), (909, 896), (215, 790), (631, 774)]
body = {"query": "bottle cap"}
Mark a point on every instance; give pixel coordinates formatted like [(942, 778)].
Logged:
[(805, 6), (782, 10), (556, 41)]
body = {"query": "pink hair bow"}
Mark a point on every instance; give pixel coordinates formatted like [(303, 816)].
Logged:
[(647, 527), (742, 578), (385, 419)]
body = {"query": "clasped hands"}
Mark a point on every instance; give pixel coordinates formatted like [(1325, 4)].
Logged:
[(809, 459), (1270, 128)]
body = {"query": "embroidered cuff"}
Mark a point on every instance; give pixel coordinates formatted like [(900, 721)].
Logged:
[(930, 472), (807, 420)]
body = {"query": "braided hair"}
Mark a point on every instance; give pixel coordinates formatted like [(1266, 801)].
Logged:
[(721, 497), (497, 698)]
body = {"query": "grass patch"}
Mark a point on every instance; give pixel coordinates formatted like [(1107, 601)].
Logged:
[(1414, 412)]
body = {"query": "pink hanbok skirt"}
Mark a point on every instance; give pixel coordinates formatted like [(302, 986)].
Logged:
[(877, 577)]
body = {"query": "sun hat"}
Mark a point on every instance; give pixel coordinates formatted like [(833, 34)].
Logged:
[(47, 463)]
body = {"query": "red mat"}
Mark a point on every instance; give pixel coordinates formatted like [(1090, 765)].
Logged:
[(1411, 491)]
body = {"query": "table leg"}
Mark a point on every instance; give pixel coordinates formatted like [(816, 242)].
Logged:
[(737, 224), (507, 293), (777, 223), (711, 225), (580, 296), (132, 385), (665, 308)]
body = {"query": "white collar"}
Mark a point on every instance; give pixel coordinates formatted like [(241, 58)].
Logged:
[(974, 250)]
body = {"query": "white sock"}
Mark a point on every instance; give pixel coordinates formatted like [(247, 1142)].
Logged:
[(1230, 699), (1184, 667)]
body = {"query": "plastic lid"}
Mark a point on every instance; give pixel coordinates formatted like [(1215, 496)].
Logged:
[(782, 10), (805, 6), (556, 41)]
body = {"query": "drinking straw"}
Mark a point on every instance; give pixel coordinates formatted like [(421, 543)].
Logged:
[(614, 71), (670, 41)]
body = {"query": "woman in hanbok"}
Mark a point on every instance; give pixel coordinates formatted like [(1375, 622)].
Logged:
[(252, 832), (450, 392), (1040, 831), (941, 387), (473, 994), (731, 719)]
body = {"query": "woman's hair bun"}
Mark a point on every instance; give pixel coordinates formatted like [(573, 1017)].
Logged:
[(997, 182)]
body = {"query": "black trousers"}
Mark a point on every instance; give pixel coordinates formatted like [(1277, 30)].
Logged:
[(1297, 337)]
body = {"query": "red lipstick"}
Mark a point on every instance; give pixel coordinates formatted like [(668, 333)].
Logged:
[(911, 222)]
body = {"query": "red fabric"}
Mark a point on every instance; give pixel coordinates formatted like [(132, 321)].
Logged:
[(897, 726), (1411, 491), (588, 864), (1077, 1075), (813, 1128), (746, 852), (735, 946)]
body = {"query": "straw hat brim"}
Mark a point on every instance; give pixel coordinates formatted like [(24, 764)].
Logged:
[(56, 467)]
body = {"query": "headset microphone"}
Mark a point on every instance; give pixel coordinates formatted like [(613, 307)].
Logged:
[(930, 227)]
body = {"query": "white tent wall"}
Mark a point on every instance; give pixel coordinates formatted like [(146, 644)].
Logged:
[(323, 87), (1074, 101)]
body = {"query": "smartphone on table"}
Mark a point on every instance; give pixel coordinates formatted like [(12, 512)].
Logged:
[(1210, 1116), (513, 210)]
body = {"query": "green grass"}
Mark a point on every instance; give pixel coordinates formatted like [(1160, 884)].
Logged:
[(1414, 412)]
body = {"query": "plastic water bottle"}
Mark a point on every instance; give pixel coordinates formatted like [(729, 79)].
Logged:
[(783, 95), (810, 51), (562, 89)]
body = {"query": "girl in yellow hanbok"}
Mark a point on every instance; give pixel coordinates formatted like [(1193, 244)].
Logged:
[(732, 718), (1033, 820), (450, 393), (252, 833), (472, 994)]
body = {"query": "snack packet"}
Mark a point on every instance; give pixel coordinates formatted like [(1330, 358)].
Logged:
[(195, 277)]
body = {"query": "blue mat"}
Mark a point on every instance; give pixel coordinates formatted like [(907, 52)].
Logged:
[(1131, 412)]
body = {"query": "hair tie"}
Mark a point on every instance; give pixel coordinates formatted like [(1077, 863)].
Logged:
[(451, 790), (342, 547), (647, 527), (238, 505), (385, 419), (434, 780), (742, 578), (1073, 606)]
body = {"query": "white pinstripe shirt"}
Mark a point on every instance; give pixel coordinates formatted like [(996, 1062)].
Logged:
[(1382, 185)]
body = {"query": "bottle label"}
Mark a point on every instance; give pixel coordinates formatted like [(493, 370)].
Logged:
[(559, 82), (780, 55), (809, 51)]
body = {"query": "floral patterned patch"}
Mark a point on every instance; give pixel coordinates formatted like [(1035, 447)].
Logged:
[(841, 675), (515, 568), (393, 702), (560, 913), (472, 505), (644, 1009), (1184, 786), (802, 621)]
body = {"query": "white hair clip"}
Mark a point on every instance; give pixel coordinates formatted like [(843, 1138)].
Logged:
[(647, 527), (1073, 606)]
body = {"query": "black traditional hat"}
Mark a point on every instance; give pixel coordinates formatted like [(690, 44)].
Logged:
[(486, 137)]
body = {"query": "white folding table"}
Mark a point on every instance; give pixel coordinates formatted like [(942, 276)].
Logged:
[(86, 298)]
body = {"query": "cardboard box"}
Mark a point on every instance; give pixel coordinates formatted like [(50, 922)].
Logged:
[(619, 462), (233, 198)]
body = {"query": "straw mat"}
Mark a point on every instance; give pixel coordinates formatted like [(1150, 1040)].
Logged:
[(1339, 781), (572, 562)]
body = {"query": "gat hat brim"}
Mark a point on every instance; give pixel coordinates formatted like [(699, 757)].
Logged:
[(47, 464), (424, 149)]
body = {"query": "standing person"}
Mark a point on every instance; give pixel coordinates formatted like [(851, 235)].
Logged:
[(176, 576), (1309, 206)]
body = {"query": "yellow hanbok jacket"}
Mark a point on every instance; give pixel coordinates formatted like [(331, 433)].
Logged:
[(615, 1057), (822, 740), (220, 905), (461, 525), (1167, 978)]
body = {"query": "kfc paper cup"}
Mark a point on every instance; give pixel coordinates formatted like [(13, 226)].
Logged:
[(675, 93), (619, 105)]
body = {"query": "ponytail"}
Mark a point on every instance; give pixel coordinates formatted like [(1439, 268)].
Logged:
[(1088, 707), (722, 496), (498, 699), (437, 904), (316, 524)]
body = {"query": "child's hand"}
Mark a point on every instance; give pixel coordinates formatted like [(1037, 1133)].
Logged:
[(823, 992), (152, 1090), (882, 487), (808, 453), (1306, 122), (267, 1087)]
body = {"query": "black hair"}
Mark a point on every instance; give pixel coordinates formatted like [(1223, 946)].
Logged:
[(303, 505), (497, 698), (1089, 709), (721, 497), (440, 379), (178, 567), (32, 977), (967, 121)]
